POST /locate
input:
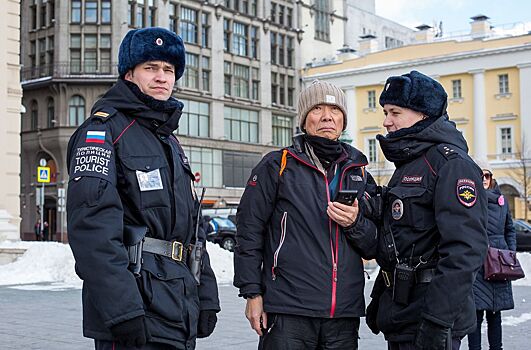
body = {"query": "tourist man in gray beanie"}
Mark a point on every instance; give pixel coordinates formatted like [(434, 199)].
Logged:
[(133, 212), (302, 230), (434, 216)]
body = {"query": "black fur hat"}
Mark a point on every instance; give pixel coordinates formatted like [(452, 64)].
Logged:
[(151, 44), (415, 91)]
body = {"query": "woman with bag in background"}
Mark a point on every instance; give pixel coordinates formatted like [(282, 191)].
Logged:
[(493, 296)]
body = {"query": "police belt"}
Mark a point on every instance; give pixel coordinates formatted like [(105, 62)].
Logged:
[(421, 276), (174, 250)]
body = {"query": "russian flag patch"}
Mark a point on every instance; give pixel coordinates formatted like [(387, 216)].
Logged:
[(95, 137)]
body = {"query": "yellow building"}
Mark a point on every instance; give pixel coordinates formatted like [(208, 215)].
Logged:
[(488, 80)]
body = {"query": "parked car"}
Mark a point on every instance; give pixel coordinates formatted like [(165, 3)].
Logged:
[(523, 235), (223, 232)]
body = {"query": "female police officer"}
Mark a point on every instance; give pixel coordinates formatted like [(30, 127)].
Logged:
[(433, 237)]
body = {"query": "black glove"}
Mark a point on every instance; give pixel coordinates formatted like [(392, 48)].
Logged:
[(207, 323), (431, 336), (372, 313), (131, 332)]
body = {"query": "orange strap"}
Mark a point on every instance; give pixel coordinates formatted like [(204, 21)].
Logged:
[(363, 171), (283, 162)]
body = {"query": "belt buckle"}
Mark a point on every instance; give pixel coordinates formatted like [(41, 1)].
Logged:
[(179, 255), (386, 278)]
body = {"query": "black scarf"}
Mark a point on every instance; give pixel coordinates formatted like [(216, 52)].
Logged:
[(169, 106), (326, 150)]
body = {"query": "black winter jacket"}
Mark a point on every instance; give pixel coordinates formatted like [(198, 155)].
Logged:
[(436, 209), (289, 250), (496, 295), (125, 146)]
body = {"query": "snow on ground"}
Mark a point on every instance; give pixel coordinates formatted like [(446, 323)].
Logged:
[(53, 263)]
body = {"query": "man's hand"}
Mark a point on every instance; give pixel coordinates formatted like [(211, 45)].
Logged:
[(131, 332), (344, 215), (254, 311)]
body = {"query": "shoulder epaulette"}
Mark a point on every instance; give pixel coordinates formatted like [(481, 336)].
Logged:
[(448, 151), (103, 113)]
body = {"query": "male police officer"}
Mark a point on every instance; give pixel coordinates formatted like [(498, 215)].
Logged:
[(128, 177), (434, 222)]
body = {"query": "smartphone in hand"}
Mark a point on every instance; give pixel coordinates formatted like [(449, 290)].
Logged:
[(346, 197)]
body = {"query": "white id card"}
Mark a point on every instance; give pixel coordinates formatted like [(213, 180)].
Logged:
[(149, 181)]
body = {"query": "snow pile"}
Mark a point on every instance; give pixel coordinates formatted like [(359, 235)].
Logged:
[(525, 261), (52, 262)]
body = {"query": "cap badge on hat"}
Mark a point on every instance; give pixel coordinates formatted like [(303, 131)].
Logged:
[(159, 42), (330, 99), (387, 86)]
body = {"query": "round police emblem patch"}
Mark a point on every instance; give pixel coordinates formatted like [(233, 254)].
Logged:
[(159, 41), (466, 192), (397, 209)]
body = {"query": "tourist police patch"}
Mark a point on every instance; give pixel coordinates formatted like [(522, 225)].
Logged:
[(466, 192)]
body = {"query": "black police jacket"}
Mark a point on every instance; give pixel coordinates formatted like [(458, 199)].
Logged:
[(436, 208), (126, 167), (289, 250)]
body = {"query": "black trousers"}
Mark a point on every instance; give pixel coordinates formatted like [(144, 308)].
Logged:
[(110, 345), (456, 344), (290, 332)]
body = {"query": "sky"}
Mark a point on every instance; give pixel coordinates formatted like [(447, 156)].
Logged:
[(455, 14)]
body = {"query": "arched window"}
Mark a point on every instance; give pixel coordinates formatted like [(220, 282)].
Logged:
[(76, 110), (34, 115), (51, 113)]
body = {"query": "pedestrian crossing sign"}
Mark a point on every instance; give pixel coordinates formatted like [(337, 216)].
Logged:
[(43, 174)]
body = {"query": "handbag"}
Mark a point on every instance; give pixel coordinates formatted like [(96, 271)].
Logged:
[(502, 265)]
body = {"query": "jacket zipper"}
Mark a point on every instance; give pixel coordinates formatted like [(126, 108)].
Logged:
[(282, 238)]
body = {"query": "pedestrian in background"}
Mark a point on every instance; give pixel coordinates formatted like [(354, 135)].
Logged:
[(38, 230), (298, 254), (433, 239), (45, 230), (491, 297)]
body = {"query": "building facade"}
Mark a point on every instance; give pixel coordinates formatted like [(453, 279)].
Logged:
[(10, 95), (239, 88), (488, 79)]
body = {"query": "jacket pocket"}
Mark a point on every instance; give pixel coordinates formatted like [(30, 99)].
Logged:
[(147, 180), (163, 290), (412, 207), (283, 223)]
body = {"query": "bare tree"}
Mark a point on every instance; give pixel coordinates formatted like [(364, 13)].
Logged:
[(522, 173)]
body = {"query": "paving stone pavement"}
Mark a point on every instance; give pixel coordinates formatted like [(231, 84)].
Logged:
[(51, 320)]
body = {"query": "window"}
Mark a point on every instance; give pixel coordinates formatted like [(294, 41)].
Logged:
[(195, 119), (90, 54), (152, 14), (281, 49), (503, 82), (137, 15), (226, 35), (106, 11), (289, 17), (50, 55), (456, 88), (207, 162), (34, 116), (173, 17), (33, 14), (205, 73), (42, 51), (91, 11), (273, 12), (33, 52), (291, 91), (50, 113), (188, 25), (241, 124), (237, 167), (76, 110), (241, 81), (506, 141), (322, 25), (254, 42), (372, 150), (43, 15), (273, 39), (282, 130), (371, 99), (291, 52), (227, 69), (105, 53), (280, 83), (205, 27), (282, 89), (75, 11), (255, 84), (239, 39), (191, 73), (75, 53), (391, 42), (51, 14), (140, 14), (242, 6), (274, 88)]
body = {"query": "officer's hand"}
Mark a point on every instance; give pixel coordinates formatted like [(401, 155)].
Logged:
[(131, 332), (431, 336), (372, 313), (344, 215), (254, 311), (207, 323)]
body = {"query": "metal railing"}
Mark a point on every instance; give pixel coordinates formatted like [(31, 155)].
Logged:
[(70, 70)]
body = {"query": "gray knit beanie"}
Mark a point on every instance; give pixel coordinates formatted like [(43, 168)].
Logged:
[(321, 92)]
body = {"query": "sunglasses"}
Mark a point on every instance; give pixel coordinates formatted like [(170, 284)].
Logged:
[(487, 176)]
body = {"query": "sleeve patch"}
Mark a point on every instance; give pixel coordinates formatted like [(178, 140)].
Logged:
[(466, 192)]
